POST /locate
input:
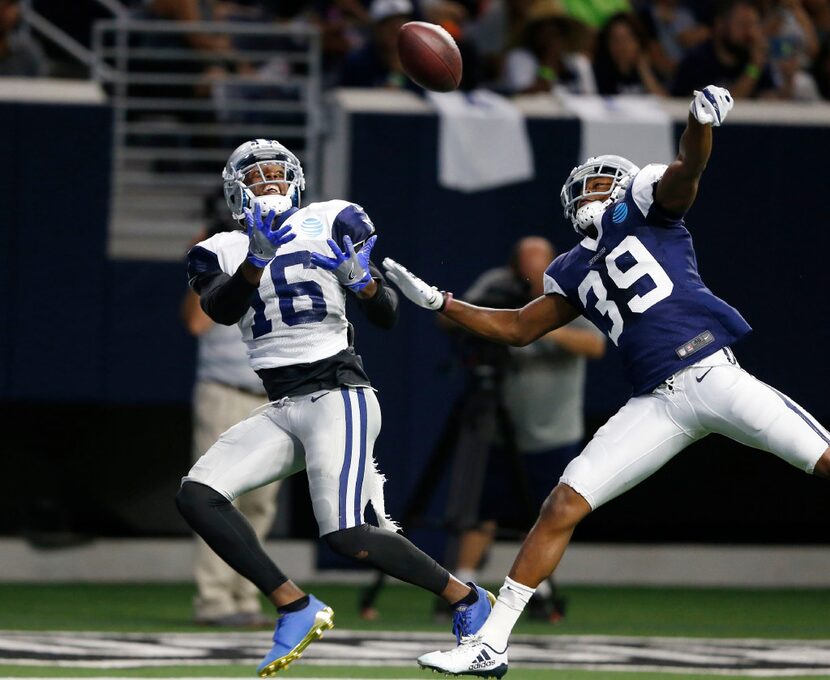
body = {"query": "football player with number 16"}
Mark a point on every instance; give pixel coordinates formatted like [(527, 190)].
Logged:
[(634, 275), (284, 278)]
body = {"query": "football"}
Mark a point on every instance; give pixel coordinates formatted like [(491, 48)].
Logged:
[(429, 56)]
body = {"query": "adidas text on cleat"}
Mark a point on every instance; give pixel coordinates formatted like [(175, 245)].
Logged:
[(295, 631), (471, 657), (467, 619)]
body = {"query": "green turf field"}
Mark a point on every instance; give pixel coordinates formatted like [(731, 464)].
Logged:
[(710, 613), (601, 611)]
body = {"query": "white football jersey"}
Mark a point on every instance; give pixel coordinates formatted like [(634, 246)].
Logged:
[(298, 314)]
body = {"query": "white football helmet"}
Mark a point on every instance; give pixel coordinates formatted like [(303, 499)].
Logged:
[(616, 168), (251, 156)]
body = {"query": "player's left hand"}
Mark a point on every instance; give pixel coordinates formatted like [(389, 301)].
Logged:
[(420, 292), (711, 105), (351, 268), (263, 238)]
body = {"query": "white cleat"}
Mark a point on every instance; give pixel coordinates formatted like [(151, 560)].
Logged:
[(471, 657)]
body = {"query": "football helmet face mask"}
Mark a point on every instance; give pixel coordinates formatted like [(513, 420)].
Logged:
[(251, 169), (620, 171)]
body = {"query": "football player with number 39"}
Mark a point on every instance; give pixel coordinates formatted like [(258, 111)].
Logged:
[(634, 275), (284, 280)]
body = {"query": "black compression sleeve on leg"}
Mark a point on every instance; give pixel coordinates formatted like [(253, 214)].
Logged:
[(391, 553), (229, 534)]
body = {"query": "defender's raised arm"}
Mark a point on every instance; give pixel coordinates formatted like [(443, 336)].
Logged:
[(677, 189)]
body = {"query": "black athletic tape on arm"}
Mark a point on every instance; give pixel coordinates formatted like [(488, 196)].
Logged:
[(225, 299)]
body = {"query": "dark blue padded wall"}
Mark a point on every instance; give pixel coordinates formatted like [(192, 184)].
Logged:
[(8, 227), (150, 358), (54, 203)]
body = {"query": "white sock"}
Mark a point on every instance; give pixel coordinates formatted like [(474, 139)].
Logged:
[(510, 604), (466, 575)]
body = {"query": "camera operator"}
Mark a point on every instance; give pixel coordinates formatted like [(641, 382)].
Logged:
[(527, 408)]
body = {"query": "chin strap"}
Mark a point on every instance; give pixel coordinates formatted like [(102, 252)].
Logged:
[(276, 202), (587, 215)]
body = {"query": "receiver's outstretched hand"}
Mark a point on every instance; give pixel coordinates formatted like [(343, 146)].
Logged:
[(263, 239), (351, 268)]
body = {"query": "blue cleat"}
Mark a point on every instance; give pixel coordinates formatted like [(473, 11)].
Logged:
[(295, 631), (469, 618)]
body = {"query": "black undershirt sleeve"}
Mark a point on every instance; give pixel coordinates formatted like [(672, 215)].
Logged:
[(382, 308), (225, 299)]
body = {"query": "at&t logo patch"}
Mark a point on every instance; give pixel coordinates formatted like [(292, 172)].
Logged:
[(620, 213), (311, 226)]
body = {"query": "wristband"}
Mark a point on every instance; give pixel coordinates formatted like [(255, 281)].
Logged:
[(447, 300), (547, 73), (752, 71), (257, 261)]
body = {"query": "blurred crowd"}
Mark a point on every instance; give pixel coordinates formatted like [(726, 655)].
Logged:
[(756, 48)]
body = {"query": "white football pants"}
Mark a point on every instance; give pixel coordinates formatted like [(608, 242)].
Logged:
[(712, 395), (330, 433)]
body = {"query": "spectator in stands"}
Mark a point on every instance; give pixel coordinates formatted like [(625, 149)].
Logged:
[(672, 29), (495, 31), (794, 44), (19, 54), (736, 57), (342, 25), (545, 61), (377, 64), (621, 62)]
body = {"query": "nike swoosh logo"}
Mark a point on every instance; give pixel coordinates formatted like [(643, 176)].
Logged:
[(351, 275), (700, 379), (313, 399)]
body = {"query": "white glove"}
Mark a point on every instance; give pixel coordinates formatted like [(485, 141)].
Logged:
[(710, 106), (421, 293)]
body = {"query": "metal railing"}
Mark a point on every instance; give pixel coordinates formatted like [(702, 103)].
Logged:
[(186, 94), (35, 23)]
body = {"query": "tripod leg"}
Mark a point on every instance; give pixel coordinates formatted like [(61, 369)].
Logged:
[(368, 597)]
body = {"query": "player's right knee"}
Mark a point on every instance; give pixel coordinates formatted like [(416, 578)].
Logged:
[(564, 508), (194, 498), (822, 468), (352, 542)]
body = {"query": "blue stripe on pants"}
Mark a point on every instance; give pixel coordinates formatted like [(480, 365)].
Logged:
[(347, 458), (802, 415), (358, 507)]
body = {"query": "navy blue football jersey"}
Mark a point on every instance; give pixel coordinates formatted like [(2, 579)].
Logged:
[(637, 281)]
